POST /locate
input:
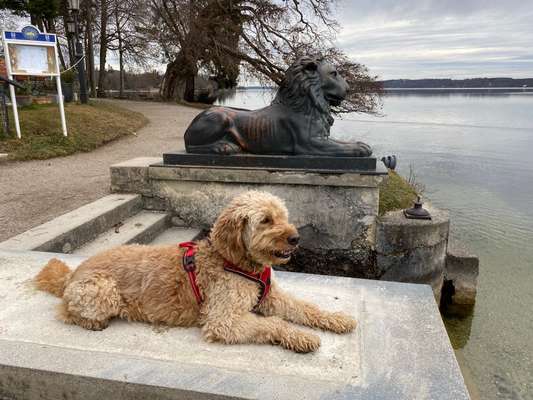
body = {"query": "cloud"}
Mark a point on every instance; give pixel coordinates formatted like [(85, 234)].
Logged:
[(426, 38)]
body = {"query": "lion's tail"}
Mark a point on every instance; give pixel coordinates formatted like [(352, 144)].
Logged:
[(53, 277)]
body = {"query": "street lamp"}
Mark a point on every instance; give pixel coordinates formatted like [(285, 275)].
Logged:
[(71, 27), (73, 30), (74, 5)]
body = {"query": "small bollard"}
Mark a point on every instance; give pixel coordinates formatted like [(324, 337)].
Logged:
[(417, 212)]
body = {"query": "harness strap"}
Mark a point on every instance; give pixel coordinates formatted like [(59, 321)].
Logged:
[(190, 267), (263, 279)]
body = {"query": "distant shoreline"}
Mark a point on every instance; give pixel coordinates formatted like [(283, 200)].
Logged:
[(459, 88), (471, 83)]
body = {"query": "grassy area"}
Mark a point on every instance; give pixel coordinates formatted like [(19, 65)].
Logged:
[(395, 194), (89, 126)]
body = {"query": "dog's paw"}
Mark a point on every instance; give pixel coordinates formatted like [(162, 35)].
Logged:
[(303, 343), (341, 323)]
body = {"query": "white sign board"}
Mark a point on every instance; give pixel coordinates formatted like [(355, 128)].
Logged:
[(31, 52), (32, 60)]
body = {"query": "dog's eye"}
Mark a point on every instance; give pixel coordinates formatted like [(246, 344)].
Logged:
[(266, 220), (334, 73)]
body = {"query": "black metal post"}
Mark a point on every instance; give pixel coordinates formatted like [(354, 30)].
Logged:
[(81, 64), (4, 86)]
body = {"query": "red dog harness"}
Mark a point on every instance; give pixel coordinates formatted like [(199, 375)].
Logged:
[(262, 279)]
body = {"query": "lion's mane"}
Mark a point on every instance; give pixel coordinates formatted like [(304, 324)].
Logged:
[(301, 89)]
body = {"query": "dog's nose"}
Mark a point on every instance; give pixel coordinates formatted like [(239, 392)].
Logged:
[(293, 240)]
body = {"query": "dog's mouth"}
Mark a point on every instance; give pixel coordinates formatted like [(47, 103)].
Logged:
[(283, 254)]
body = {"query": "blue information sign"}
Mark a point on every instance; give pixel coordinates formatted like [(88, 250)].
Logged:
[(32, 53), (30, 34)]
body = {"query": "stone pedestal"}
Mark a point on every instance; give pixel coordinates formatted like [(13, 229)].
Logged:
[(411, 250), (335, 213), (304, 163)]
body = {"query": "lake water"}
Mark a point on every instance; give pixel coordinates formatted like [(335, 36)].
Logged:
[(473, 150)]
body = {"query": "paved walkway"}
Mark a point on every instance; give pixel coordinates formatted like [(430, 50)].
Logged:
[(33, 192)]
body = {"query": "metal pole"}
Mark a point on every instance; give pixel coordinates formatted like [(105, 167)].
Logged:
[(81, 65), (12, 91), (61, 106), (60, 93), (15, 109), (5, 115)]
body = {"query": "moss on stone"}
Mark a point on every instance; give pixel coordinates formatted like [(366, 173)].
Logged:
[(395, 193)]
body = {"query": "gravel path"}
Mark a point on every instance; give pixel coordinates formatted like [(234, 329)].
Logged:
[(33, 192)]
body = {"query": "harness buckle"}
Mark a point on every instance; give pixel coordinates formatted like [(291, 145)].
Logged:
[(188, 263)]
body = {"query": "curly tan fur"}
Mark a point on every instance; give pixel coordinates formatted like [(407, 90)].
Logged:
[(148, 283)]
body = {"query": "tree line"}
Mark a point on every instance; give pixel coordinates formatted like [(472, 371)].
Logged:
[(458, 83), (225, 40)]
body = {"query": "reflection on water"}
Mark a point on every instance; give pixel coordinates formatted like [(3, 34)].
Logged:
[(473, 150)]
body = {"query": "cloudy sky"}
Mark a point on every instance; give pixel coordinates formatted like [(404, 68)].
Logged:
[(435, 38), (439, 39)]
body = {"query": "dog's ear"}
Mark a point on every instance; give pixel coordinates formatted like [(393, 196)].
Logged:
[(227, 235)]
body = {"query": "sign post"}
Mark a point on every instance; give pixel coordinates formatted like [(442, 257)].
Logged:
[(32, 53)]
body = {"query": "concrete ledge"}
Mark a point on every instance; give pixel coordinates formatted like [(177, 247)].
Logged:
[(69, 231), (131, 176), (460, 277), (395, 232), (263, 176), (400, 349)]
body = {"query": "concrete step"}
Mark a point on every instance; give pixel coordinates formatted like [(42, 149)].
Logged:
[(399, 351), (176, 235), (73, 229), (141, 228)]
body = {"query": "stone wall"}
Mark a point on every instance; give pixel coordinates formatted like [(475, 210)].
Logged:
[(335, 213)]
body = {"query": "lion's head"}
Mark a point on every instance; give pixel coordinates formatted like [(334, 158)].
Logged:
[(311, 83)]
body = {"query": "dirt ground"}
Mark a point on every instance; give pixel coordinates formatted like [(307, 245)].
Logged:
[(33, 192)]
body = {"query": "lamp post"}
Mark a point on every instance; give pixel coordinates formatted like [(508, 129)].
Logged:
[(73, 30)]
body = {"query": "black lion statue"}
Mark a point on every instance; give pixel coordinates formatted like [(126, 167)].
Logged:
[(297, 122)]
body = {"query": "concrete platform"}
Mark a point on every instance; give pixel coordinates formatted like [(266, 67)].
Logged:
[(400, 349)]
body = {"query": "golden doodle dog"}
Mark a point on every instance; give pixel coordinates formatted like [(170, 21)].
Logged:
[(222, 284)]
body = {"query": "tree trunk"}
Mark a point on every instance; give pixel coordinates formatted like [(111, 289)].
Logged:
[(89, 53), (179, 73), (120, 55), (103, 48), (188, 95), (170, 81)]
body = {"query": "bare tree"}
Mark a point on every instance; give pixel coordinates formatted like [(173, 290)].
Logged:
[(124, 38), (261, 36), (104, 15)]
